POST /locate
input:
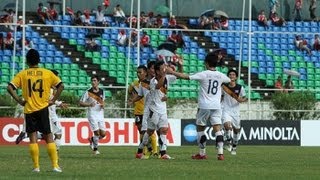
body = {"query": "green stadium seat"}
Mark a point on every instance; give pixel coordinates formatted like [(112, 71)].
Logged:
[(241, 82), (64, 72), (154, 37), (310, 84), (74, 73), (72, 41), (292, 53), (74, 66), (5, 79), (284, 58), (254, 64), (121, 80), (193, 57), (193, 63), (154, 43), (112, 55), (5, 72), (269, 83), (162, 38), (200, 68), (302, 64), (310, 77), (48, 66), (120, 55), (193, 94), (96, 54), (268, 52), (113, 73), (108, 93), (255, 96), (57, 66), (113, 49), (82, 80), (74, 79), (66, 66), (245, 63), (176, 94), (65, 79), (261, 46), (302, 83), (105, 42), (317, 96), (185, 57), (299, 59), (104, 61), (80, 48), (82, 73), (278, 70), (192, 69), (262, 76), (113, 61), (317, 84), (276, 58), (104, 67), (121, 67), (96, 61), (278, 64), (88, 54), (121, 61), (185, 94), (121, 74), (310, 65)]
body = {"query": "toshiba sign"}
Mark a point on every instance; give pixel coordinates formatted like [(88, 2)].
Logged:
[(119, 132)]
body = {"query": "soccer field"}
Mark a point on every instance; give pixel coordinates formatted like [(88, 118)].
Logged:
[(251, 162)]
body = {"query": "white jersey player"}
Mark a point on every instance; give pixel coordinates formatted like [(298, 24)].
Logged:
[(209, 104), (231, 110), (93, 99), (157, 117)]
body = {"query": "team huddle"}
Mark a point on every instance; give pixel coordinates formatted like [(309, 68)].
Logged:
[(218, 105)]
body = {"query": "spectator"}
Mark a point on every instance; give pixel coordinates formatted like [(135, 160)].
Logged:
[(316, 42), (11, 18), (28, 44), (86, 21), (134, 38), (151, 20), (42, 12), (158, 22), (77, 19), (118, 15), (52, 13), (301, 44), (173, 37), (100, 20), (9, 41), (143, 20), (288, 85), (122, 38), (91, 45), (172, 22), (312, 9), (224, 23), (1, 42), (278, 84), (106, 3), (262, 19), (180, 41), (277, 21), (134, 21), (145, 40), (273, 4), (297, 10)]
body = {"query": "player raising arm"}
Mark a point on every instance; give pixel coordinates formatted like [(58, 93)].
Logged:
[(209, 108)]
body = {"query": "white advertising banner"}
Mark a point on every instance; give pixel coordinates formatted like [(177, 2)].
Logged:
[(119, 132), (309, 133)]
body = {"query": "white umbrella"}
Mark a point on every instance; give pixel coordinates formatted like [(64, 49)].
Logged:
[(164, 53), (291, 72), (220, 13)]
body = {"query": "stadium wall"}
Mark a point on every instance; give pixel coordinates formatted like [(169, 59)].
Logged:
[(180, 7), (122, 132)]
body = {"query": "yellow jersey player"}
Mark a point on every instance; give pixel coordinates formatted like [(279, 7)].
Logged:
[(36, 84)]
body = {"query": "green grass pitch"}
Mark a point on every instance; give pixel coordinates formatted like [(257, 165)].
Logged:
[(251, 162)]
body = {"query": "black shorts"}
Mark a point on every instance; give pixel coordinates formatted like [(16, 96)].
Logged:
[(38, 121), (138, 119)]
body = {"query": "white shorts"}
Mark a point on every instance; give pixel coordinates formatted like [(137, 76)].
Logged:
[(145, 117), (157, 120), (55, 126), (213, 116), (97, 124), (235, 120)]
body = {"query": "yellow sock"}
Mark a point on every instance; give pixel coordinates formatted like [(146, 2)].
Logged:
[(154, 143), (52, 152), (34, 152), (145, 149)]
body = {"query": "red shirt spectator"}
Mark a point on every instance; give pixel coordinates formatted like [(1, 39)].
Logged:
[(172, 22), (42, 12), (145, 39), (8, 41), (316, 42), (106, 3), (262, 19), (53, 14), (159, 22)]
